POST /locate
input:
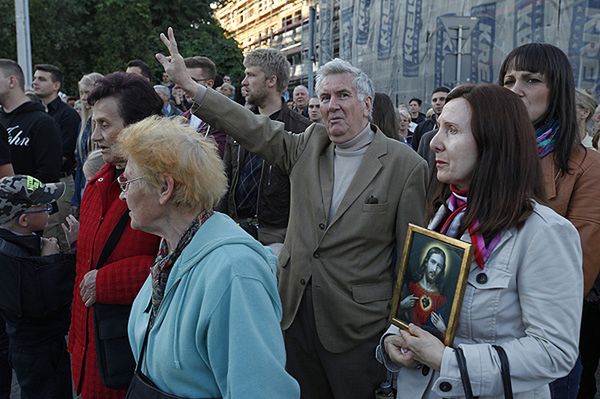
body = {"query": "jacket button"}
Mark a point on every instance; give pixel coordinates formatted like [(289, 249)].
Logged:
[(316, 255), (445, 386), (302, 281), (425, 370), (482, 278), (322, 226)]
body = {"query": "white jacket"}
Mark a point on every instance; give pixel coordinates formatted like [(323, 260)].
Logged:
[(530, 305)]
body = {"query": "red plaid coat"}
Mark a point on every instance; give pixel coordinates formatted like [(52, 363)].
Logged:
[(117, 282)]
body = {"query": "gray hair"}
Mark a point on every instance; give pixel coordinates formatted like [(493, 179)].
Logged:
[(273, 63), (362, 83), (164, 90), (301, 87), (404, 113), (585, 101), (88, 80)]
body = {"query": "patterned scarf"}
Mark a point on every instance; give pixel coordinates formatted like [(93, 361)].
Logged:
[(164, 261), (450, 216), (546, 136)]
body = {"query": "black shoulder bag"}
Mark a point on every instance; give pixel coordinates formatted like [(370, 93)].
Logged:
[(142, 387), (466, 381), (115, 359)]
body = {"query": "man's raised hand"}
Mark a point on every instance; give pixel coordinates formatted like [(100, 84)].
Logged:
[(174, 65)]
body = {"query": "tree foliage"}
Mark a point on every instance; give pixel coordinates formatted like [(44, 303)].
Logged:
[(81, 36)]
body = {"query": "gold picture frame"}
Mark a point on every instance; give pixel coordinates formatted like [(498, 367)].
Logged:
[(431, 282)]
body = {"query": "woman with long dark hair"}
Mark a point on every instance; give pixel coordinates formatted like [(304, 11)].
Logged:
[(487, 190), (384, 115), (541, 75)]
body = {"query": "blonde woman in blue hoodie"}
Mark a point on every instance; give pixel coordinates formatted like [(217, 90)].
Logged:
[(206, 322)]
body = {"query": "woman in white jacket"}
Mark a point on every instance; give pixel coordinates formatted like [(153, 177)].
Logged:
[(524, 286)]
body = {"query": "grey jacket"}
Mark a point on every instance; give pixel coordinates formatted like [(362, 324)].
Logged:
[(530, 305)]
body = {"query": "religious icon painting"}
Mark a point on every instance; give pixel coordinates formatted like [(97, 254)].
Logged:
[(431, 282)]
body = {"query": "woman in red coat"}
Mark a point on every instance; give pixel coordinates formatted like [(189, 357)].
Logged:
[(118, 100)]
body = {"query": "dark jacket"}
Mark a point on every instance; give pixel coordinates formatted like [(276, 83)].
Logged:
[(68, 121), (4, 149), (424, 149), (34, 140), (423, 127), (35, 290), (420, 118), (273, 207)]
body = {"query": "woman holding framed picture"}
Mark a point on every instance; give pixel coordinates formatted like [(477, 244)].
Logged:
[(519, 322)]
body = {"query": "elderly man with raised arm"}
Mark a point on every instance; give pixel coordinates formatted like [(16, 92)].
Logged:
[(353, 193)]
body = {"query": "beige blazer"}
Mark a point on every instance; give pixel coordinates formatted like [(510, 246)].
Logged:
[(348, 260)]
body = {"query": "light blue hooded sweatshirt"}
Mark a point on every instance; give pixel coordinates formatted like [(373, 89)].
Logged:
[(217, 331)]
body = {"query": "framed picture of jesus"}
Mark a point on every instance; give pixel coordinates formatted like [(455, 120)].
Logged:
[(431, 281)]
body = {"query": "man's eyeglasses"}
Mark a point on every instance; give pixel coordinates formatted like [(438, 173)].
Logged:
[(48, 208), (124, 183)]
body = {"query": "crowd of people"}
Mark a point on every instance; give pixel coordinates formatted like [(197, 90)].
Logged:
[(176, 240)]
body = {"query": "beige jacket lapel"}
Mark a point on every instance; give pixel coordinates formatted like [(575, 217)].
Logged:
[(326, 179)]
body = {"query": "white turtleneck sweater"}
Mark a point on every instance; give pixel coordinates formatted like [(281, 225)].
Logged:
[(346, 160)]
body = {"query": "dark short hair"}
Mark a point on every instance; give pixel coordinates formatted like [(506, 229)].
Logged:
[(205, 63), (442, 89), (137, 98), (508, 173), (11, 68), (418, 100), (144, 68), (384, 115), (55, 72), (554, 65)]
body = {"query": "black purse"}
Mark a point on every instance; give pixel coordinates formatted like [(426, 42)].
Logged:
[(504, 368), (142, 387), (114, 357)]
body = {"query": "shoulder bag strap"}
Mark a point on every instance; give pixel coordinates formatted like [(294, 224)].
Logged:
[(505, 369), (464, 374), (138, 367), (111, 243)]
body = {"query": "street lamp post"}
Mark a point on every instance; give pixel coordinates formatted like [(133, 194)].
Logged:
[(460, 24), (23, 39)]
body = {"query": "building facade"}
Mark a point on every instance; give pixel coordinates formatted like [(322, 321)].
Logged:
[(409, 47), (278, 24)]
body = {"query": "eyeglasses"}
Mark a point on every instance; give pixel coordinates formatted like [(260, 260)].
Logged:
[(200, 80), (48, 208), (124, 183)]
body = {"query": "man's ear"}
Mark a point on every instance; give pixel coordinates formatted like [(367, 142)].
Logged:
[(22, 220), (369, 104), (272, 81), (56, 86), (12, 82), (167, 188)]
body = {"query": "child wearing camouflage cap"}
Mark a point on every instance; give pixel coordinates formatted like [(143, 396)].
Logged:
[(36, 286)]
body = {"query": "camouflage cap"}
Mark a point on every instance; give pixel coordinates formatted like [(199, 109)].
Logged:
[(19, 192)]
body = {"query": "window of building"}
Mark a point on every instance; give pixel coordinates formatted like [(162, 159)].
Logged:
[(286, 21)]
